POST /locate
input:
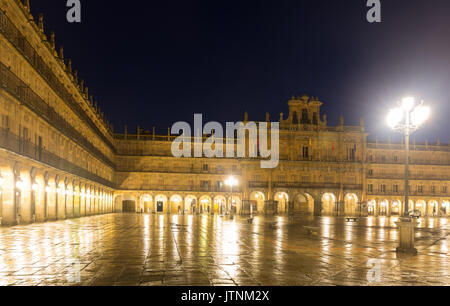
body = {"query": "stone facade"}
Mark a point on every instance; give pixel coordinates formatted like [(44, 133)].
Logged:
[(59, 157)]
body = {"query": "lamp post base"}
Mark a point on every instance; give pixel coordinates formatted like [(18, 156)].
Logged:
[(406, 227)]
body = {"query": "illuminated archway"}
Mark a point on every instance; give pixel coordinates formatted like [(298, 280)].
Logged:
[(351, 204), (396, 208), (205, 205), (384, 208), (146, 203), (283, 202), (371, 207), (190, 202), (445, 208), (176, 204), (259, 198), (160, 204), (421, 206), (328, 204), (304, 204), (220, 204), (433, 208)]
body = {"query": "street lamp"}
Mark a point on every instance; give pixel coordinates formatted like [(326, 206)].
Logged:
[(231, 182), (407, 119)]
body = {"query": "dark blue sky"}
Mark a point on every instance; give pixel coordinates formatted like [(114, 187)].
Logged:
[(153, 63)]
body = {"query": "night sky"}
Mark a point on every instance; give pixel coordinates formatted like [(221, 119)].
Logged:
[(154, 63)]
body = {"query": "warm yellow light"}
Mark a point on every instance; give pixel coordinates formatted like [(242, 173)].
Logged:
[(2, 180), (35, 187), (231, 181), (19, 185), (394, 117), (408, 103), (420, 115)]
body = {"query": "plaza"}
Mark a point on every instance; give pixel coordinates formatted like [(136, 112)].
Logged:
[(171, 250)]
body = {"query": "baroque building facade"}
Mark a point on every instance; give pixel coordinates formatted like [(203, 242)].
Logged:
[(59, 157)]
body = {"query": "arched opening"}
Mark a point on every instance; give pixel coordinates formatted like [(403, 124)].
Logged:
[(176, 203), (283, 202), (305, 117), (328, 204), (258, 198), (433, 209), (147, 203), (421, 206), (384, 207), (160, 204), (220, 205), (304, 204), (445, 208), (371, 207), (190, 204), (351, 204), (128, 203), (396, 208), (205, 205)]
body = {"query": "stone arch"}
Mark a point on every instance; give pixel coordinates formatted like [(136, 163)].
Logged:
[(421, 206), (161, 203), (328, 204), (190, 203), (220, 203), (205, 205), (129, 203), (396, 208), (146, 203), (372, 207), (433, 208), (445, 208), (304, 204), (259, 198), (351, 204), (283, 202), (176, 204)]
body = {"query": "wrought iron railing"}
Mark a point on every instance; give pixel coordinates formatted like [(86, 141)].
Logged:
[(18, 89), (18, 145), (13, 35)]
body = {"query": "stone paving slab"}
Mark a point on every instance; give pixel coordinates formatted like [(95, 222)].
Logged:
[(149, 250)]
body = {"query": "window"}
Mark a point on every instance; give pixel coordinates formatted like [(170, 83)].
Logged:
[(371, 157), (305, 152), (370, 188), (234, 168), (204, 185), (220, 186), (420, 189), (433, 189), (205, 167), (395, 188), (395, 159), (383, 159), (5, 122), (352, 154), (383, 188), (305, 119), (370, 172), (444, 189)]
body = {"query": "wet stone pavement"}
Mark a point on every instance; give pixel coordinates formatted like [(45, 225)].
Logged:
[(154, 250)]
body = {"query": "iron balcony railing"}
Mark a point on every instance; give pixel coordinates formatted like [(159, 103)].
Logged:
[(19, 90), (181, 188), (18, 145), (13, 35), (254, 184)]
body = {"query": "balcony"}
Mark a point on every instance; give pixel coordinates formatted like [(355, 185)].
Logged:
[(18, 89), (13, 143)]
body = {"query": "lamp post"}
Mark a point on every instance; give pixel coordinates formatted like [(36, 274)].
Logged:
[(407, 119), (231, 182)]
